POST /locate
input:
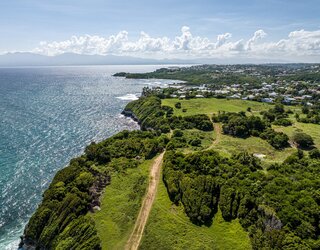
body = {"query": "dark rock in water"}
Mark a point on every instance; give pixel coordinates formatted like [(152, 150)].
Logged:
[(128, 113), (26, 244)]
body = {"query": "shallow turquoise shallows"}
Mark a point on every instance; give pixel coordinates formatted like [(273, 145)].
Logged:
[(47, 116)]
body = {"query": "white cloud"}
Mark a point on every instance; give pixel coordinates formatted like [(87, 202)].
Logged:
[(299, 43), (258, 35)]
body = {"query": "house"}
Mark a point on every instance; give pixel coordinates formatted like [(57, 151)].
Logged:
[(235, 96), (306, 97), (273, 94), (199, 96), (267, 100), (288, 100)]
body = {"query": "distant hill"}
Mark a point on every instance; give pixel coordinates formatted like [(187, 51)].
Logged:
[(31, 59)]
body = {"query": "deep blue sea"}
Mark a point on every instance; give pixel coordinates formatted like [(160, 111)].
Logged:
[(47, 116)]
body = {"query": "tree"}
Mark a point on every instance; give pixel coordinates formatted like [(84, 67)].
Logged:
[(314, 154), (303, 140), (178, 105)]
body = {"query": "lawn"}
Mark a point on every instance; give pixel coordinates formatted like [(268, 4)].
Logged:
[(213, 105), (168, 228), (120, 206)]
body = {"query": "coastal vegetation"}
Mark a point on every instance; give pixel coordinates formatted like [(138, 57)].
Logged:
[(205, 182), (237, 174), (62, 220)]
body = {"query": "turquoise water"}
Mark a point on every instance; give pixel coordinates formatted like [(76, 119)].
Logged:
[(47, 116)]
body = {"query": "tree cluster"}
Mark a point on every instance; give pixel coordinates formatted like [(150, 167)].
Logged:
[(280, 209), (62, 221), (240, 125), (152, 116)]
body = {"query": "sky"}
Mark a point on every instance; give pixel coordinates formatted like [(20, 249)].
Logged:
[(263, 29)]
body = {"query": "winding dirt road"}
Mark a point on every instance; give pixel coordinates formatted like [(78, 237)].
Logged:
[(136, 235)]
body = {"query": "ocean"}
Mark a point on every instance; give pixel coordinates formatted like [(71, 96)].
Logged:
[(47, 116)]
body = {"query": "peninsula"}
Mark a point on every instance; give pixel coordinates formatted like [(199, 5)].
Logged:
[(229, 159)]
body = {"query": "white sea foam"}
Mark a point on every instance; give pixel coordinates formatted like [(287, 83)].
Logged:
[(128, 97), (12, 245)]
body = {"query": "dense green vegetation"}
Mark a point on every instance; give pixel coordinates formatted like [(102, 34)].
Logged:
[(168, 227), (194, 75), (240, 125), (62, 221), (311, 114), (271, 206), (152, 115), (213, 184)]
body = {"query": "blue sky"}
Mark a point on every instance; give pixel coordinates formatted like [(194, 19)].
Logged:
[(23, 24)]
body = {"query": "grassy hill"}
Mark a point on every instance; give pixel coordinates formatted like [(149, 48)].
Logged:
[(212, 105), (120, 206), (169, 227)]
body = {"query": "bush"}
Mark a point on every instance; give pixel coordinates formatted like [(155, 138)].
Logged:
[(278, 140), (177, 133), (283, 122), (303, 140), (195, 142), (178, 105), (314, 154)]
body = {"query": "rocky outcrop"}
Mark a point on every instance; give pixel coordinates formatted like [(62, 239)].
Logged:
[(129, 113), (96, 191)]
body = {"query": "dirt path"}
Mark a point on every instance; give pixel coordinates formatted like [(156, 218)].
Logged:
[(218, 131), (136, 235)]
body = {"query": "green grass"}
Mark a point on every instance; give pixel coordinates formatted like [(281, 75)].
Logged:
[(168, 228), (311, 129), (120, 206), (206, 138), (213, 105), (254, 145), (229, 145)]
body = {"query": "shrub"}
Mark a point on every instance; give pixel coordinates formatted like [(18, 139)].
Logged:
[(195, 142), (314, 154), (283, 122), (303, 140), (177, 133), (178, 105)]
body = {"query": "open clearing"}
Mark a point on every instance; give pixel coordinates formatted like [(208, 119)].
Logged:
[(169, 227), (213, 105), (121, 202), (228, 145)]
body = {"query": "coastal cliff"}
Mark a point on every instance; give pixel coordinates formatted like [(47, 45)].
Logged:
[(200, 181), (62, 220)]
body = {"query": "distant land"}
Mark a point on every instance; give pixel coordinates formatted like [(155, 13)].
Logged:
[(19, 59), (66, 59)]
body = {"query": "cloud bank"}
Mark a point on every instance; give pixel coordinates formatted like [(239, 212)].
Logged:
[(299, 44)]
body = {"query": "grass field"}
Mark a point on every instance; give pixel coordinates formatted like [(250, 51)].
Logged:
[(254, 145), (311, 129), (168, 228), (213, 105), (228, 145), (120, 206)]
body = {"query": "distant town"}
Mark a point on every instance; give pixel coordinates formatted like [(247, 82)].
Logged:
[(262, 83)]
